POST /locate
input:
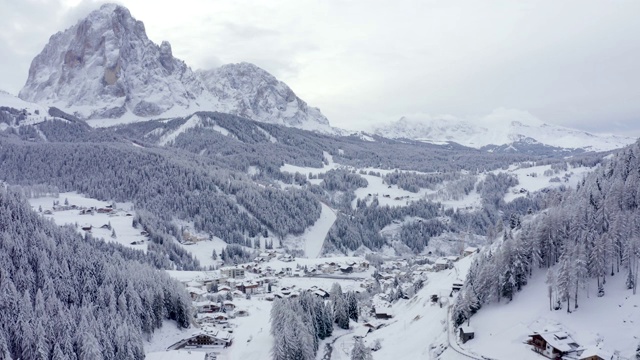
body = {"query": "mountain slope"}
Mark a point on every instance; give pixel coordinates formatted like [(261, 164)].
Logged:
[(105, 67), (575, 267), (16, 112), (502, 127)]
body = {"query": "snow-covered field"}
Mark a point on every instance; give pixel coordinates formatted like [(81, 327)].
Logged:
[(35, 113), (533, 179), (126, 234), (611, 320)]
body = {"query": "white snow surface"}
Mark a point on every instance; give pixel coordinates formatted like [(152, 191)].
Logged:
[(30, 109), (314, 236), (610, 320), (533, 179), (120, 222), (501, 127)]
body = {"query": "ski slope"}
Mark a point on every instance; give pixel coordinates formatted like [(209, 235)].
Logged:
[(312, 239)]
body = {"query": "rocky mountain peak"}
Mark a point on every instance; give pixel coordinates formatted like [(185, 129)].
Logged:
[(271, 101), (105, 66)]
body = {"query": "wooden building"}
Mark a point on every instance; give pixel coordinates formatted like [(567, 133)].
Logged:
[(554, 344)]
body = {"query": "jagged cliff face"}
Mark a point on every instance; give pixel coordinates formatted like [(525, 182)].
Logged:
[(246, 90), (105, 66)]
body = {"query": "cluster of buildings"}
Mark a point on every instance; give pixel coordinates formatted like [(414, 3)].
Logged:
[(557, 344)]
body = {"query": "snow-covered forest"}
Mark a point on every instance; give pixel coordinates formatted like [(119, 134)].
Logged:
[(191, 179), (585, 237), (65, 296)]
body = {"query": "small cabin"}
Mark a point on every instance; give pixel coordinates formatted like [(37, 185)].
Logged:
[(383, 313), (553, 344), (441, 264), (466, 333), (594, 353), (470, 251)]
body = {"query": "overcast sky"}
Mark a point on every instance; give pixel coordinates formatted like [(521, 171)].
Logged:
[(571, 63)]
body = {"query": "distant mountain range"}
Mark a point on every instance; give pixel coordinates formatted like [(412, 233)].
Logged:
[(106, 71), (105, 67), (501, 128)]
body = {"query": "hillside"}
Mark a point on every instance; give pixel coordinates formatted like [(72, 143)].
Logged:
[(586, 246), (515, 129)]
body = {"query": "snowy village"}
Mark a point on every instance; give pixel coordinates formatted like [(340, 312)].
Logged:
[(319, 180)]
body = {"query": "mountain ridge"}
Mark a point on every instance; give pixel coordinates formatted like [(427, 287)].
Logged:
[(501, 127), (105, 67)]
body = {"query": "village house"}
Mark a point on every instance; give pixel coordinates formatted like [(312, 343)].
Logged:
[(321, 293), (249, 287), (594, 353), (328, 269), (212, 318), (196, 292), (346, 269), (207, 337), (466, 333), (441, 264), (229, 306), (206, 306), (373, 325), (364, 265), (232, 272), (382, 312), (553, 344), (470, 251), (286, 258)]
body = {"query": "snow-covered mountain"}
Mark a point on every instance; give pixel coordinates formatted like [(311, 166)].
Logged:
[(501, 127), (271, 100), (105, 67)]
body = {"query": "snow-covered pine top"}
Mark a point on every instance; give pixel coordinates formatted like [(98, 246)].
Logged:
[(501, 127), (105, 67)]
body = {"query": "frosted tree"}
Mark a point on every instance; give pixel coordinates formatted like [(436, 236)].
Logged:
[(551, 285), (565, 280), (580, 269), (360, 352), (4, 347), (352, 305), (341, 312), (468, 304)]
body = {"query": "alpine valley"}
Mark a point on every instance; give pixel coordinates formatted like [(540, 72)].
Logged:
[(151, 211)]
